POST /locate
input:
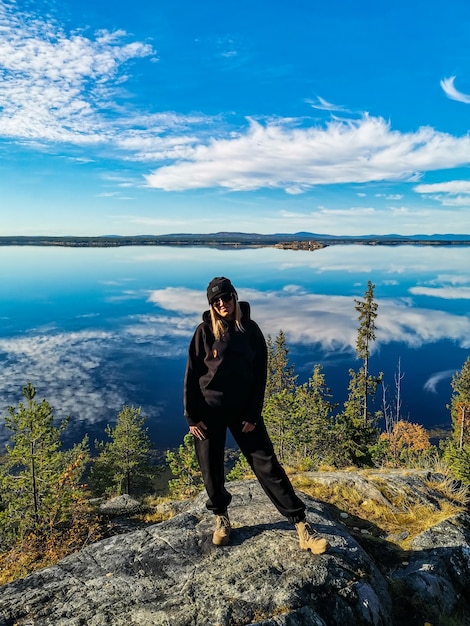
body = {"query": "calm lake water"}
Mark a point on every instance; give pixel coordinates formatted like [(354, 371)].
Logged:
[(94, 329)]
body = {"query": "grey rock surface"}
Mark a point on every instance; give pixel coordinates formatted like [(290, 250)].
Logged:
[(120, 505), (171, 574)]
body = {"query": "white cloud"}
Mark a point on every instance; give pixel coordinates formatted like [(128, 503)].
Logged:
[(343, 151), (451, 92), (432, 382), (455, 201), (185, 301), (353, 211), (396, 196), (453, 279), (457, 192), (451, 186)]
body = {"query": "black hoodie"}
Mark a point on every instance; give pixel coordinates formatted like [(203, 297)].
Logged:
[(227, 375)]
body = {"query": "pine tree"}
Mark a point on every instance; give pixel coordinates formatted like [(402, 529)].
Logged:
[(122, 465), (279, 396), (240, 470), (355, 426), (367, 310), (280, 375), (278, 416), (460, 405), (315, 420), (40, 483), (354, 438), (457, 448), (187, 481)]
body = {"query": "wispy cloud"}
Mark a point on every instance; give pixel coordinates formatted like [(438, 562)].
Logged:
[(56, 86), (451, 92), (452, 279), (69, 88), (452, 201), (323, 105), (358, 211), (393, 196), (432, 382)]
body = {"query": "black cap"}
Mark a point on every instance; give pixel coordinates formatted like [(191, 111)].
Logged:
[(218, 286)]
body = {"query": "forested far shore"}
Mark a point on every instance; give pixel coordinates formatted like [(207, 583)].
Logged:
[(296, 241)]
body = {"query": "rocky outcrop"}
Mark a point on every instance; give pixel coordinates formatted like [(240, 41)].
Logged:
[(171, 574), (120, 505)]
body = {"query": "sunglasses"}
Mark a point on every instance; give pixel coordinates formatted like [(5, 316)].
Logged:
[(225, 297)]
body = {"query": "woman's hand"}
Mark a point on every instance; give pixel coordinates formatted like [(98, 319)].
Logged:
[(198, 430), (248, 427)]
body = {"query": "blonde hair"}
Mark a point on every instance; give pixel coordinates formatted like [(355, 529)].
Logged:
[(218, 326)]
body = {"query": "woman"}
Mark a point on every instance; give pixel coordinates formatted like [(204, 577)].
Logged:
[(224, 388)]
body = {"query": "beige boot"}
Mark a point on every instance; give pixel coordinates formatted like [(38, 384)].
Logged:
[(222, 530), (309, 539)]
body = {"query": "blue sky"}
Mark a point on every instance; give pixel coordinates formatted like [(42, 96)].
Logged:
[(183, 116)]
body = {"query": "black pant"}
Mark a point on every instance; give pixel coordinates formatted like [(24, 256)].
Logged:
[(258, 451)]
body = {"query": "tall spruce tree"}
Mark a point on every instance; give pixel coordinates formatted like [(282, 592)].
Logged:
[(279, 395), (367, 310), (122, 465), (355, 427), (298, 417), (280, 374), (353, 437), (316, 421), (40, 482)]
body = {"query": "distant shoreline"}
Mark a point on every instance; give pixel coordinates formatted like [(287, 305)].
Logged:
[(235, 240)]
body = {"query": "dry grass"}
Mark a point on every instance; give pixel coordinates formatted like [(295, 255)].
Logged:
[(403, 515), (157, 509), (448, 488)]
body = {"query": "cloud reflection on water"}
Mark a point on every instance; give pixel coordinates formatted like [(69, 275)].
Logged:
[(131, 344), (328, 320)]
